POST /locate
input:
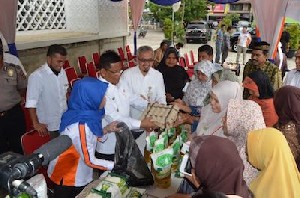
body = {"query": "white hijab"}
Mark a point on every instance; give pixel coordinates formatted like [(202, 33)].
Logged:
[(210, 122)]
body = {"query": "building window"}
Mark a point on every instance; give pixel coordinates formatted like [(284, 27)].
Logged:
[(236, 7), (41, 15)]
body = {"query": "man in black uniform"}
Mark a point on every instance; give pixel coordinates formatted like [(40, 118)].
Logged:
[(13, 84)]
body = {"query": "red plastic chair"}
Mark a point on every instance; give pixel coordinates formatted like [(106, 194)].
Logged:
[(31, 141), (131, 64), (190, 72), (181, 62), (28, 121), (82, 65), (129, 54), (96, 58), (66, 64), (193, 57), (121, 53), (73, 81), (187, 61), (71, 74), (91, 70), (123, 59)]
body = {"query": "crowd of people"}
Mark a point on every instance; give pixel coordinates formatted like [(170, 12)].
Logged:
[(245, 136)]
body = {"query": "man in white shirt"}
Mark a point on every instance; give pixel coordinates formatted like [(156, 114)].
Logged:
[(46, 92), (293, 76), (117, 104), (242, 44), (143, 81)]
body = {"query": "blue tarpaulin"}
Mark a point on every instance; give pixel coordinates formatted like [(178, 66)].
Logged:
[(223, 1), (164, 2)]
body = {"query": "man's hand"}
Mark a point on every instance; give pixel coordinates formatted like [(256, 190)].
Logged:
[(41, 128), (148, 124), (112, 127)]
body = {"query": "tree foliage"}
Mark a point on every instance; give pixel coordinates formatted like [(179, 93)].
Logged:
[(229, 18), (190, 10)]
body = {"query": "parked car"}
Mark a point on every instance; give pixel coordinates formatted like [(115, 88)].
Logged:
[(235, 36), (198, 31)]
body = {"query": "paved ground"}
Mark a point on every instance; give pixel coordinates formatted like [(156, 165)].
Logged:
[(154, 37)]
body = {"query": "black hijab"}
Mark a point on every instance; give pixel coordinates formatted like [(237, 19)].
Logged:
[(175, 77), (263, 83)]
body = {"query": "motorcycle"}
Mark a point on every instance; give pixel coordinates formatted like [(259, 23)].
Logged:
[(142, 33)]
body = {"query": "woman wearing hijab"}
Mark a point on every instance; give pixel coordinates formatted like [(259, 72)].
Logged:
[(211, 116), (73, 169), (217, 166), (175, 77), (287, 105), (243, 116), (224, 74), (196, 92), (219, 76), (269, 152), (261, 92)]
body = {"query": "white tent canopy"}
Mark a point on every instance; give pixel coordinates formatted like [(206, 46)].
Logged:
[(269, 16)]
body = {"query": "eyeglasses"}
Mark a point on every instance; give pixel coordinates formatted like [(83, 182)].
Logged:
[(146, 60), (114, 72)]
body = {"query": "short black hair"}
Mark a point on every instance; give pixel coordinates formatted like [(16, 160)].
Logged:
[(206, 48), (179, 44), (229, 28), (107, 58), (165, 42), (262, 45), (223, 25), (56, 49)]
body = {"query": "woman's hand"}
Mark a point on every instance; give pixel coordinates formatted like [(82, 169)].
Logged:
[(193, 179)]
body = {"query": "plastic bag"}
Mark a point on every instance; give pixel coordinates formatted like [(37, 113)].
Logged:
[(129, 161)]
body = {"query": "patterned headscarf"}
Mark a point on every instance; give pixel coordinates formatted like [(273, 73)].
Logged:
[(269, 151), (218, 165), (197, 91), (206, 67), (244, 116)]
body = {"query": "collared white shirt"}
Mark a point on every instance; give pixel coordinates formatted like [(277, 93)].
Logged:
[(117, 108), (47, 93), (292, 78), (151, 86)]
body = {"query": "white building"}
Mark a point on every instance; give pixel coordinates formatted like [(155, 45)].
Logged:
[(83, 27)]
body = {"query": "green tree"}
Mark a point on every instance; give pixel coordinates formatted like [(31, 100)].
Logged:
[(227, 20), (294, 30), (190, 10), (168, 28)]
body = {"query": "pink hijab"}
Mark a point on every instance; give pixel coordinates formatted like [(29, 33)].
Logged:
[(244, 116)]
